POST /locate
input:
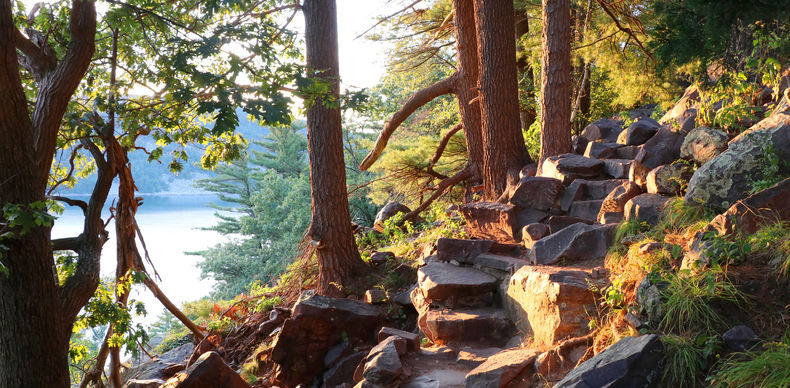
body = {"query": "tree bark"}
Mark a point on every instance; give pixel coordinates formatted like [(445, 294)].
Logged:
[(36, 312), (504, 152), (555, 70), (339, 262), (466, 87)]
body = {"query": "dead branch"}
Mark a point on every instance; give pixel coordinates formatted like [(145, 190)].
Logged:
[(384, 19), (460, 176), (416, 101), (442, 145), (196, 330)]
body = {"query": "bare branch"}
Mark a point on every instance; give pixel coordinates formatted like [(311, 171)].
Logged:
[(443, 144), (416, 101), (67, 244), (71, 202), (384, 19)]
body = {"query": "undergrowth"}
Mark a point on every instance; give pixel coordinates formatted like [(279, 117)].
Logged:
[(769, 368)]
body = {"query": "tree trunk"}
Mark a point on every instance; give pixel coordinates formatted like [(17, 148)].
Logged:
[(504, 152), (527, 114), (555, 70), (339, 262), (466, 83)]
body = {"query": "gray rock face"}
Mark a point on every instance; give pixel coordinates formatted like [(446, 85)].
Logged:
[(383, 366), (558, 223), (740, 338), (480, 326), (627, 152), (460, 249), (639, 132), (163, 367), (441, 281), (683, 114), (756, 210), (645, 208), (631, 362), (567, 167), (617, 168), (703, 144), (725, 178), (575, 243), (537, 192), (388, 211), (502, 368), (534, 232), (586, 209)]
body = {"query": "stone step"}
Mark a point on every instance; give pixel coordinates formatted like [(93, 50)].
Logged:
[(586, 209), (485, 326), (578, 242), (443, 281), (567, 167)]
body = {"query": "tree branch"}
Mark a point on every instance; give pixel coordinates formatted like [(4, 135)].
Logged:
[(460, 176), (37, 60), (71, 202), (416, 101), (384, 19), (625, 29), (443, 144), (67, 244)]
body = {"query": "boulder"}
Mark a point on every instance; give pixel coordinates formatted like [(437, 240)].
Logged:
[(601, 150), (574, 192), (558, 223), (669, 179), (645, 208), (317, 324), (412, 340), (388, 211), (492, 261), (749, 214), (662, 148), (617, 198), (577, 242), (209, 371), (600, 189), (605, 130), (461, 249), (161, 367), (639, 132), (703, 144), (617, 168), (556, 362), (610, 217), (443, 282), (343, 370), (631, 362), (550, 303), (627, 152), (638, 174), (472, 326), (683, 114), (537, 192), (382, 366), (586, 209), (534, 232), (578, 144), (528, 170), (502, 368), (492, 220), (726, 178), (740, 338), (567, 167), (381, 257)]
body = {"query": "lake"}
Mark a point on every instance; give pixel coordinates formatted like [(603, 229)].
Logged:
[(170, 226)]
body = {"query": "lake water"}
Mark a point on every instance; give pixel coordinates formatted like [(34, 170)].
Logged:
[(169, 224)]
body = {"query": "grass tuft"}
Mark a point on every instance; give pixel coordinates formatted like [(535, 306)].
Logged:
[(769, 368), (684, 361)]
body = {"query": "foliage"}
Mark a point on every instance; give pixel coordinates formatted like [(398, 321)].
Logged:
[(690, 298), (532, 140), (723, 250), (767, 368), (773, 169), (687, 359), (773, 242)]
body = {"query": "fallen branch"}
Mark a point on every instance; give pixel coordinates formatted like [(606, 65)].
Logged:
[(416, 101), (196, 330)]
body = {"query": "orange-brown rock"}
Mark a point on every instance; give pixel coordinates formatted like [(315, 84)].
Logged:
[(616, 200), (492, 220)]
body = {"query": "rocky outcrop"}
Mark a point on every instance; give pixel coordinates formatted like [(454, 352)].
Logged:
[(550, 303), (503, 369), (599, 150), (631, 362), (645, 208), (683, 114), (209, 371), (662, 148), (639, 132), (492, 220), (726, 178), (317, 324), (159, 368), (575, 243), (765, 207), (454, 285), (382, 366), (703, 144)]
